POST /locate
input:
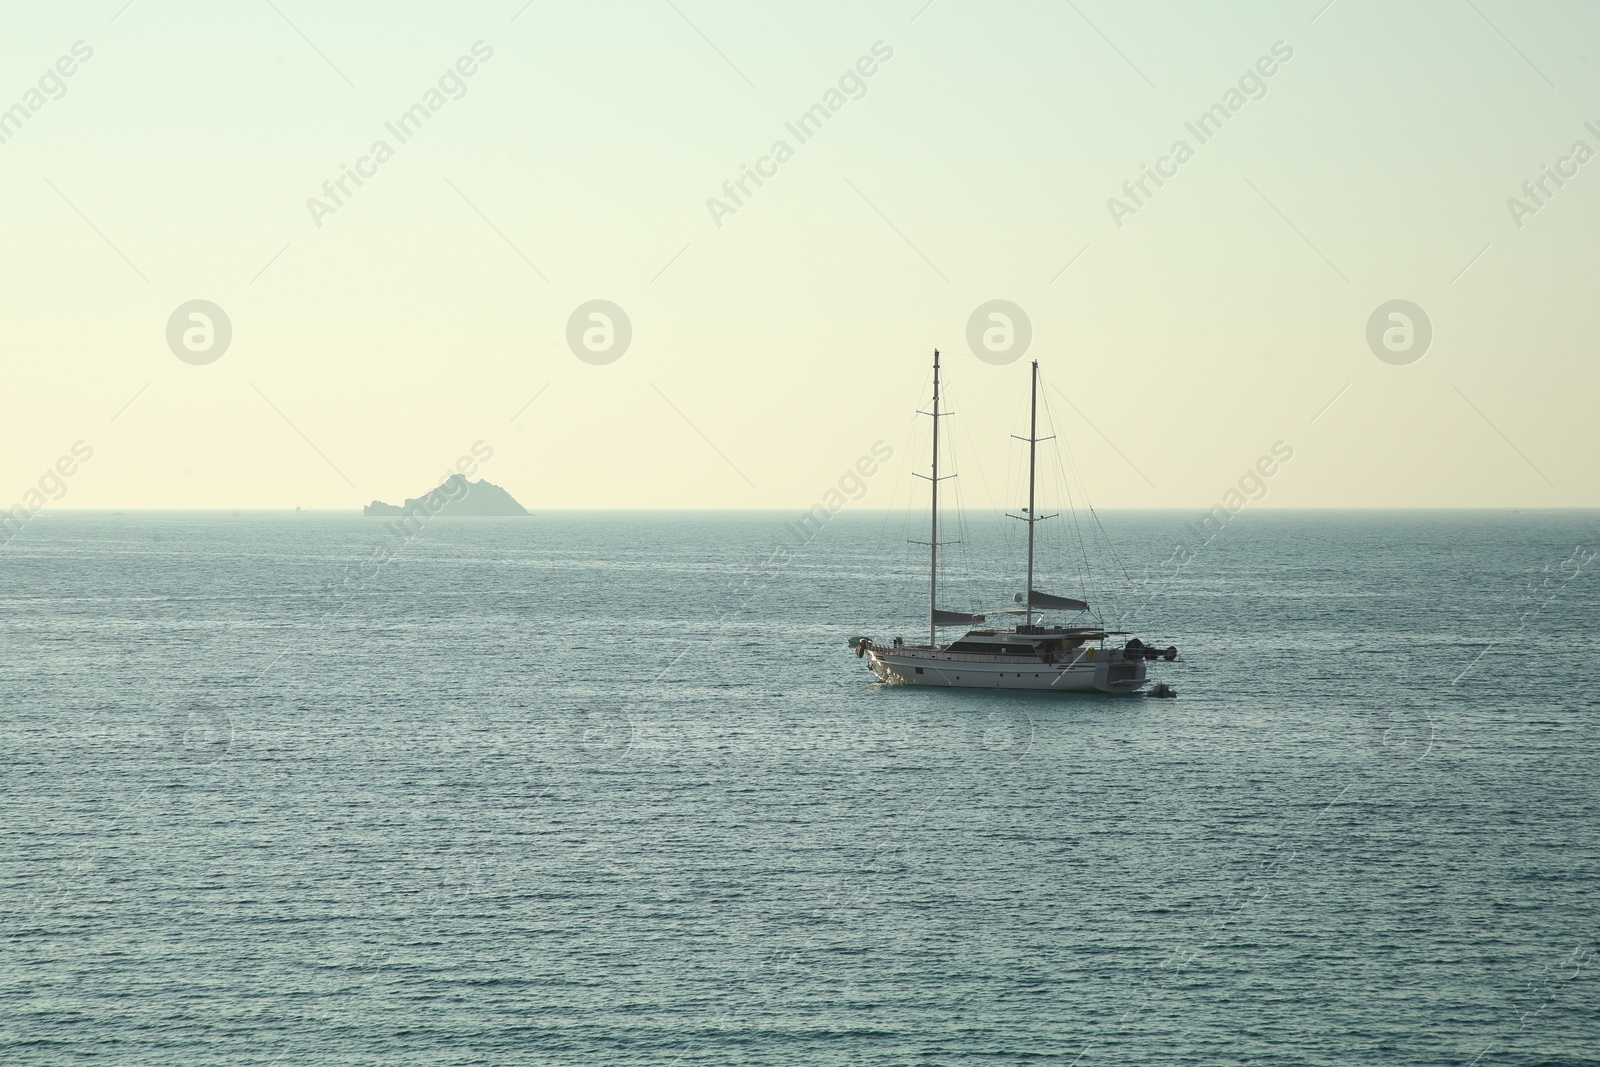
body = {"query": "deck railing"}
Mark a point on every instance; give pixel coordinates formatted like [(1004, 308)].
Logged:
[(1074, 658)]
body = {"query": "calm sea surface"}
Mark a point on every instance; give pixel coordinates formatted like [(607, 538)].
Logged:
[(611, 789)]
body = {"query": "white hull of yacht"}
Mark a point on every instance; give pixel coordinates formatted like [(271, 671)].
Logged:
[(904, 665)]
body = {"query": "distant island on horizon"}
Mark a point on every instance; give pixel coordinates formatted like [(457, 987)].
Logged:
[(456, 497)]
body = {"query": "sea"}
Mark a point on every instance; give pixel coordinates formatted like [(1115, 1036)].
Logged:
[(611, 788)]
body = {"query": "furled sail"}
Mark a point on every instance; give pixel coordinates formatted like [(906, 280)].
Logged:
[(1046, 602), (955, 618)]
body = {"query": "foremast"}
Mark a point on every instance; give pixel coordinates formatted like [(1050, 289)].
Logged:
[(933, 519), (1033, 456)]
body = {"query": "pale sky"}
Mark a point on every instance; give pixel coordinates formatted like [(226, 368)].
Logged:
[(773, 344)]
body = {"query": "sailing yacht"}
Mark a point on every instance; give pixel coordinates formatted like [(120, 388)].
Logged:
[(1031, 655)]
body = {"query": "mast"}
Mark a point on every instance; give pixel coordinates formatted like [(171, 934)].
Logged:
[(933, 536), (1033, 448)]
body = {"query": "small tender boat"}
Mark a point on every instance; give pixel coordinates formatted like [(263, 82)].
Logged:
[(1031, 655)]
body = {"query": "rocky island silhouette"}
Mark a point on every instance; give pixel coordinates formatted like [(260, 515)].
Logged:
[(456, 497)]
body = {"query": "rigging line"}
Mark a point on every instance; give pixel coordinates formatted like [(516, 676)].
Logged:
[(1090, 586), (1014, 477), (962, 557), (906, 512), (1114, 591), (1025, 469), (1063, 490), (1113, 601), (1015, 460), (894, 493), (984, 478), (996, 512), (1105, 536), (916, 510), (952, 560), (1101, 593), (1109, 544), (1102, 589), (1062, 447)]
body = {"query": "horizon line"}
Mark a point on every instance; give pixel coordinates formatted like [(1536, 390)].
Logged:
[(356, 511)]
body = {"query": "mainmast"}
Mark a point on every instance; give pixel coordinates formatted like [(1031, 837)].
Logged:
[(1033, 449), (1030, 514), (933, 536)]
